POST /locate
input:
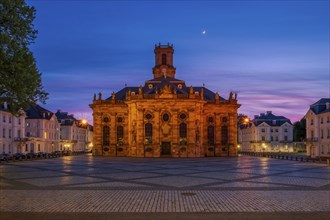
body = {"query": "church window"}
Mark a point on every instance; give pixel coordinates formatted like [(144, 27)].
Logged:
[(224, 120), (210, 135), (180, 86), (166, 117), (148, 116), (183, 133), (120, 134), (163, 59), (150, 86), (224, 135), (183, 116), (119, 119), (148, 133), (210, 119), (106, 136), (106, 119)]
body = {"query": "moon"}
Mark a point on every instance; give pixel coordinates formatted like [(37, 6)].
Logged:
[(203, 32)]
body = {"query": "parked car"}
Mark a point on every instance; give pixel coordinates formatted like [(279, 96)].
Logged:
[(31, 155), (41, 155), (4, 157), (19, 156)]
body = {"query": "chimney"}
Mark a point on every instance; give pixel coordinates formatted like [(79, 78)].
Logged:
[(327, 105), (269, 112), (5, 105)]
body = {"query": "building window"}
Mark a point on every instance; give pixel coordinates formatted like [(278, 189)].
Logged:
[(210, 135), (9, 133), (150, 86), (38, 147), (106, 135), (263, 130), (9, 119), (312, 122), (3, 132), (312, 134), (271, 130), (263, 138), (119, 119), (224, 135), (166, 117), (106, 119), (210, 119), (163, 59), (276, 130), (285, 138), (328, 136), (19, 133), (148, 116), (19, 121), (27, 124), (224, 120), (183, 133), (26, 147), (120, 135), (321, 120), (148, 133), (180, 86), (271, 138), (322, 133), (4, 118), (285, 130), (183, 116), (328, 119)]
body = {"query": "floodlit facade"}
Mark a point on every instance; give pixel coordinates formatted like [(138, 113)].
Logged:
[(318, 129), (266, 133), (12, 130), (165, 117), (41, 130), (75, 135)]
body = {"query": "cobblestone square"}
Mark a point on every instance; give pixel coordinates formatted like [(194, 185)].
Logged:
[(173, 188)]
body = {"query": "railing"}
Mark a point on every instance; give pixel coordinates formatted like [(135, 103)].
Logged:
[(259, 141), (314, 139)]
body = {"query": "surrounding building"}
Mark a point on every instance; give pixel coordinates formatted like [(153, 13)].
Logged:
[(12, 130), (42, 130), (76, 135), (318, 129), (165, 117), (266, 133)]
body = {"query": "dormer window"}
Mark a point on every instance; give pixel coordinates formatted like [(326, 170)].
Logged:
[(180, 86)]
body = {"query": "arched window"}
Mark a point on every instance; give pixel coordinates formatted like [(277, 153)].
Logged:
[(120, 134), (148, 133), (224, 135), (106, 135), (183, 133), (163, 59), (210, 135)]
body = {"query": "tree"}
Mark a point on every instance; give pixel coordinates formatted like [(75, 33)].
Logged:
[(20, 80), (299, 130)]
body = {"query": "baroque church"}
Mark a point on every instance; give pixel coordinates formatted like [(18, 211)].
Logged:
[(165, 117)]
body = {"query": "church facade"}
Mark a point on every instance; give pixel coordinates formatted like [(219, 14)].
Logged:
[(165, 117)]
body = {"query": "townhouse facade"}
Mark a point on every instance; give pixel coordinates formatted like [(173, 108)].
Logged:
[(318, 129), (266, 133)]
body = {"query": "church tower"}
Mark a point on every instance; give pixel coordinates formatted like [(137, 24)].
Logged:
[(164, 61)]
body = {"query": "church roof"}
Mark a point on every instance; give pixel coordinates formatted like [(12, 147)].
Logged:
[(151, 85)]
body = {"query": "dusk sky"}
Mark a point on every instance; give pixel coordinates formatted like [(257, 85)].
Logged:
[(275, 54)]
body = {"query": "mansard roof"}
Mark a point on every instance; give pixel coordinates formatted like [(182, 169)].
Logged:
[(270, 119), (37, 112), (320, 106), (160, 82)]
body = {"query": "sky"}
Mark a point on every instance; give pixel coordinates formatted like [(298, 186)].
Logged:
[(274, 54)]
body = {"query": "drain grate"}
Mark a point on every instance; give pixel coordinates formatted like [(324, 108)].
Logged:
[(188, 194)]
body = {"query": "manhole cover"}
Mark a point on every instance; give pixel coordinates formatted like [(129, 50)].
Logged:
[(188, 194)]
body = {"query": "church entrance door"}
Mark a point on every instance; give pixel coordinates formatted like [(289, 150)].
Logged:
[(166, 149)]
